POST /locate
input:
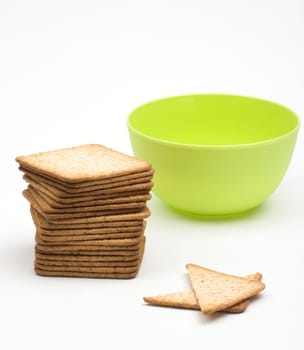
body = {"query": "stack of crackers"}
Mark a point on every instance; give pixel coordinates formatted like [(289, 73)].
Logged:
[(88, 204), (212, 291)]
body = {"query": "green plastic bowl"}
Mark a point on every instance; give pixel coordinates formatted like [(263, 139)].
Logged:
[(213, 154)]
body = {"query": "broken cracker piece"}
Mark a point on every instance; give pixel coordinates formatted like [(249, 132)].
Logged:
[(217, 291), (187, 300)]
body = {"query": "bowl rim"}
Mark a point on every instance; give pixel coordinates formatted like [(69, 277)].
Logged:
[(208, 146)]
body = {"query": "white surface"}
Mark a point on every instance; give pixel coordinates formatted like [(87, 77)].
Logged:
[(70, 73)]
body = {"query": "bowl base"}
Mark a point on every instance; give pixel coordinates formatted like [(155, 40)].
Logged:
[(217, 217)]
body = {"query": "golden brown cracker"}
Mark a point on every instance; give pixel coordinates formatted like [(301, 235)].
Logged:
[(216, 291), (91, 198), (48, 262), (82, 163), (140, 215), (73, 233), (133, 250), (52, 250), (85, 274), (40, 206), (94, 202), (98, 248), (130, 178), (79, 238), (48, 270), (62, 257), (114, 186), (187, 299), (144, 187), (42, 222), (120, 242), (90, 269), (48, 209)]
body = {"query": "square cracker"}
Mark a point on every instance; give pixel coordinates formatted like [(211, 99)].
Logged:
[(46, 249), (143, 187), (92, 272), (98, 251), (89, 217), (102, 248), (90, 232), (75, 264), (42, 222), (88, 186), (94, 269), (78, 185), (187, 299), (109, 217), (35, 198), (80, 274), (117, 242), (91, 197), (62, 257), (93, 256), (94, 202), (86, 238), (216, 291), (82, 163)]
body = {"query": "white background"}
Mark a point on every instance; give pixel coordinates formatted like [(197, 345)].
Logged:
[(70, 73)]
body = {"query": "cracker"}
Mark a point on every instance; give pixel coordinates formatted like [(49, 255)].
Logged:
[(184, 300), (93, 202), (90, 269), (53, 271), (74, 233), (34, 197), (114, 186), (40, 221), (86, 241), (79, 185), (187, 300), (143, 214), (83, 163), (85, 274), (62, 258), (115, 225), (96, 218), (118, 252), (216, 291), (99, 219), (48, 262), (108, 248), (39, 205), (121, 242), (144, 187), (93, 250), (45, 203), (121, 196), (98, 248), (93, 255), (79, 238)]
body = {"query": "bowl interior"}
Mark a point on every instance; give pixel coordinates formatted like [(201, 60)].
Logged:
[(212, 120)]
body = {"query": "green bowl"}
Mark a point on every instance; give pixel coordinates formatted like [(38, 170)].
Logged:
[(214, 154)]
